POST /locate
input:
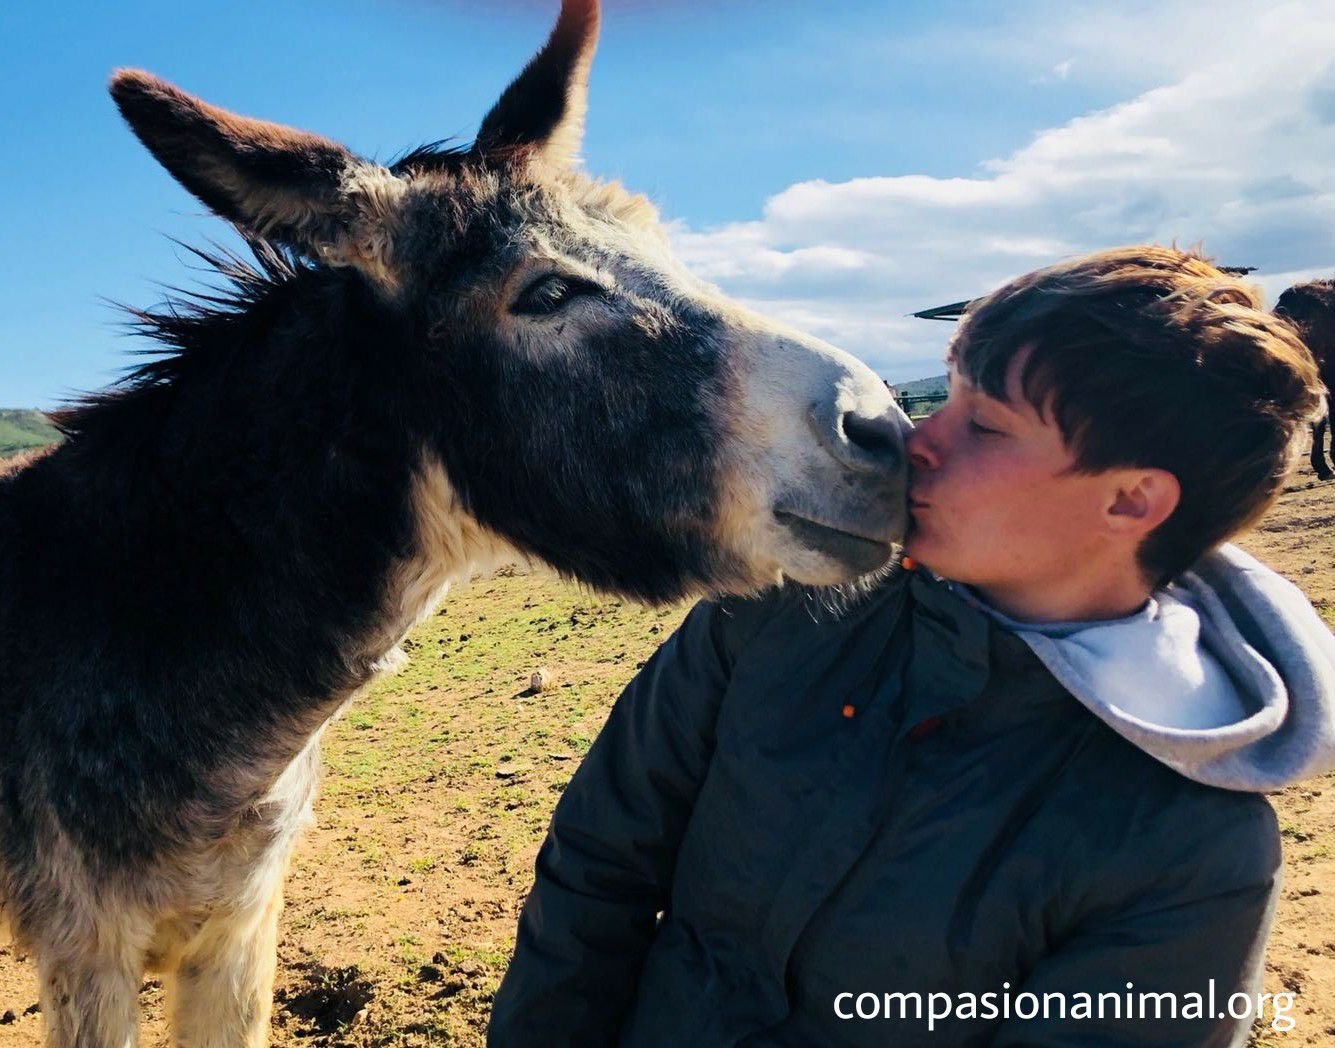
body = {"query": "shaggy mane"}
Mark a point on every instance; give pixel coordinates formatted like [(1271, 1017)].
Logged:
[(441, 156), (184, 326)]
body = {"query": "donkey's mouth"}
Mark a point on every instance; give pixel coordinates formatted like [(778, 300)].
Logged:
[(857, 552)]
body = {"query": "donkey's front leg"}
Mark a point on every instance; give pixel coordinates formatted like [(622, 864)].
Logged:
[(89, 1004), (1319, 448), (220, 994)]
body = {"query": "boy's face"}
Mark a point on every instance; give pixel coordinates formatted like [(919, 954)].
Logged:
[(994, 503)]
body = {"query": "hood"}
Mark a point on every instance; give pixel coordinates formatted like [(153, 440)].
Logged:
[(1227, 676)]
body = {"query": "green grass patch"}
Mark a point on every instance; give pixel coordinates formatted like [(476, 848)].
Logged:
[(22, 430)]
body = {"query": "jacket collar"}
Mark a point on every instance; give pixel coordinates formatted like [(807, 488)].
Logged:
[(957, 650)]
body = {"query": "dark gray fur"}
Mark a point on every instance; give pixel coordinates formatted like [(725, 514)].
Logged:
[(1310, 307), (213, 562)]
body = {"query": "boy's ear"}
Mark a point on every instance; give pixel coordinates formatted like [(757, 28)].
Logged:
[(1143, 500), (304, 191)]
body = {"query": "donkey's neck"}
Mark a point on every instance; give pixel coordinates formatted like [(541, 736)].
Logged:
[(255, 536), (448, 547)]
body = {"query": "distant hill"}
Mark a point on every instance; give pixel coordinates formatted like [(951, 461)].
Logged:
[(22, 430), (935, 386)]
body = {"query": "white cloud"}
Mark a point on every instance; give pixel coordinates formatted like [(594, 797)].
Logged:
[(1235, 150), (1056, 74)]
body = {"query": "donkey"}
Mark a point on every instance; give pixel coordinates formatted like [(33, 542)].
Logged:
[(1310, 308), (469, 355)]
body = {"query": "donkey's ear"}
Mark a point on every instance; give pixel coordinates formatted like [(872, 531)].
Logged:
[(300, 189), (544, 108)]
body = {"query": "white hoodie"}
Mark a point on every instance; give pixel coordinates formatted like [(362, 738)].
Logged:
[(1227, 675)]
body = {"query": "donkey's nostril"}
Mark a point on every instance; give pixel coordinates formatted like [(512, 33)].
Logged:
[(878, 437)]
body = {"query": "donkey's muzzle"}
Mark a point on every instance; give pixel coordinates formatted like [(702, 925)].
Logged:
[(850, 506), (858, 554), (861, 442)]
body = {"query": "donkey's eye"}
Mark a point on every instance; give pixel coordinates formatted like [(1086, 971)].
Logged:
[(551, 293)]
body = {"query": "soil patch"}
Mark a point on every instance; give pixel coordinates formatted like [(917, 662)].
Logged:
[(402, 900)]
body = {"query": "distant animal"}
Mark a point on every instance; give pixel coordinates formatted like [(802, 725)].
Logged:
[(469, 355), (1310, 308)]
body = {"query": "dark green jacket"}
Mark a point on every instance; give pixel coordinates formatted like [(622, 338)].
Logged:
[(787, 805)]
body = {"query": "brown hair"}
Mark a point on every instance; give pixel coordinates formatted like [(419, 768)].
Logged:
[(1150, 356)]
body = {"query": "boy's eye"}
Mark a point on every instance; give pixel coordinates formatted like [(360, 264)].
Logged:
[(977, 427)]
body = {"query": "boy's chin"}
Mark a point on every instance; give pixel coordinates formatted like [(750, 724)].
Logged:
[(917, 546), (926, 554)]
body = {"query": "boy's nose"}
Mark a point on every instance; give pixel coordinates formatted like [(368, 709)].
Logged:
[(918, 446)]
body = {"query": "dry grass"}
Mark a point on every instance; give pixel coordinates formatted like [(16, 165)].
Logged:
[(402, 901)]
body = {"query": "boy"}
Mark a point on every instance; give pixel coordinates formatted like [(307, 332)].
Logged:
[(1009, 793)]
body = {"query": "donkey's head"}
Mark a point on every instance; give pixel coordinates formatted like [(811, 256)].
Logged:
[(590, 401)]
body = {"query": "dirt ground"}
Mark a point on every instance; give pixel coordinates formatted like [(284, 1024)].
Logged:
[(1297, 538), (402, 899)]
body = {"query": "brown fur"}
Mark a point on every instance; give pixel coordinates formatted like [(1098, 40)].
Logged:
[(1310, 308)]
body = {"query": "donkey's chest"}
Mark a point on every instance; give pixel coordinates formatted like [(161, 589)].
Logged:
[(262, 835), (243, 866)]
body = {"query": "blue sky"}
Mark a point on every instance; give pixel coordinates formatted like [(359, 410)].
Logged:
[(836, 169)]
